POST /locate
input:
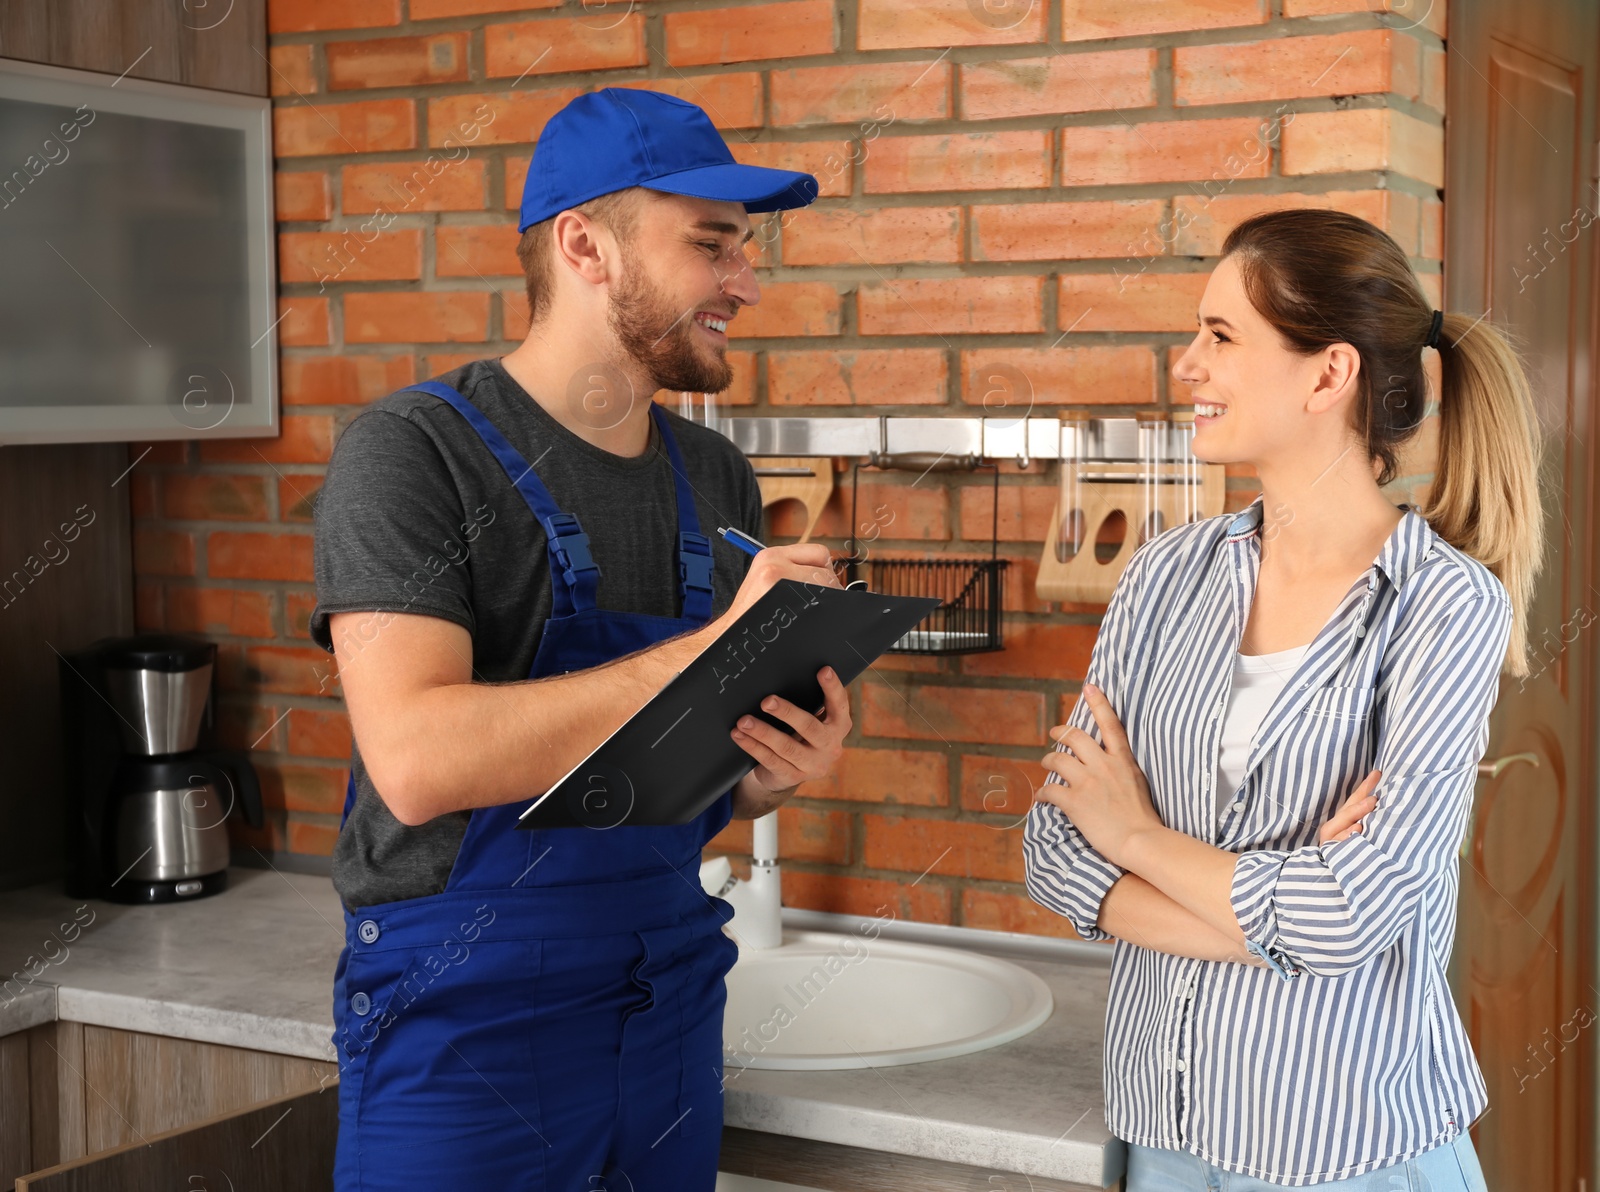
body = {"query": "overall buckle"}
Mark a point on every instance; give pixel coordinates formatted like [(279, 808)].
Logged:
[(571, 545), (694, 560)]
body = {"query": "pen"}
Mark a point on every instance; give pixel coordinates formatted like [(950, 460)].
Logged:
[(742, 540), (751, 545)]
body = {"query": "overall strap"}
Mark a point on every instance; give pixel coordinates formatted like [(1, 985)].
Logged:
[(574, 575), (694, 548)]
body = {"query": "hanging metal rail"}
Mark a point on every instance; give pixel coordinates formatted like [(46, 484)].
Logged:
[(955, 442)]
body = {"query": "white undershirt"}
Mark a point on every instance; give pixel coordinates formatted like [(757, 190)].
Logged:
[(1257, 680)]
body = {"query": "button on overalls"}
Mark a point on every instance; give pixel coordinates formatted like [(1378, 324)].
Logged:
[(551, 1021)]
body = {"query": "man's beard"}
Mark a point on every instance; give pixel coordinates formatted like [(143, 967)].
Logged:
[(662, 339)]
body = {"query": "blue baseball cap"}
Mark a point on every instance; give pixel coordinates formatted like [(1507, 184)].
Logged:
[(619, 137)]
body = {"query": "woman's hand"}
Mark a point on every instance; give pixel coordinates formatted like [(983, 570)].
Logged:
[(1106, 796), (1344, 822)]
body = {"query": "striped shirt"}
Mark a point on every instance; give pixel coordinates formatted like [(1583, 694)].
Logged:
[(1348, 1053)]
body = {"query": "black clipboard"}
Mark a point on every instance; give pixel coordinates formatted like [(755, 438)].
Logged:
[(674, 758)]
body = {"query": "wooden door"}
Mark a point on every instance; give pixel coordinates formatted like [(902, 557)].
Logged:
[(1520, 201)]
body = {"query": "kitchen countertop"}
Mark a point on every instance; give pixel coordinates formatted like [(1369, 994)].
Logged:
[(253, 967), (250, 967)]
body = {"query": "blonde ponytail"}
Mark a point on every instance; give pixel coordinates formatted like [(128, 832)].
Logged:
[(1484, 500)]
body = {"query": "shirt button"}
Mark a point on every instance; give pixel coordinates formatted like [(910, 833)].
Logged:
[(1181, 1066), (1238, 804), (361, 1004), (1361, 631), (368, 931)]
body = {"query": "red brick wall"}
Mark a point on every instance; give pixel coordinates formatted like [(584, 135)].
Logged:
[(992, 176)]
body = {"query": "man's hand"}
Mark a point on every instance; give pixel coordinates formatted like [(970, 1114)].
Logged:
[(807, 562), (783, 760)]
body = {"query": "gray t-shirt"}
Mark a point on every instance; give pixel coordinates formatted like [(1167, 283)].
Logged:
[(417, 516)]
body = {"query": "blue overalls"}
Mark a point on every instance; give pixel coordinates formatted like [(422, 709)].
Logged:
[(551, 1021)]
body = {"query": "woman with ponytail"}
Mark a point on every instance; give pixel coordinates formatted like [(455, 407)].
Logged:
[(1261, 792)]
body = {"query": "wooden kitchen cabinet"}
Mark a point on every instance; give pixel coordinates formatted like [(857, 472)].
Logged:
[(827, 1165), (285, 1142), (89, 1108)]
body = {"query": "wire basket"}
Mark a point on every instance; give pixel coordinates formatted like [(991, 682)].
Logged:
[(971, 591)]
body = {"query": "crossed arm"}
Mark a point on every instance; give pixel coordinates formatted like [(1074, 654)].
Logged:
[(1137, 910), (1098, 827), (1176, 895)]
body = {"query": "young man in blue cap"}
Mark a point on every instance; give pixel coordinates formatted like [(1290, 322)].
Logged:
[(511, 559)]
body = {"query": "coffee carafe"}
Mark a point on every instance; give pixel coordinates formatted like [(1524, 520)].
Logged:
[(146, 807)]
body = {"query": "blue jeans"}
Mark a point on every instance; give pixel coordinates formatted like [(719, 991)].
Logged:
[(1450, 1167)]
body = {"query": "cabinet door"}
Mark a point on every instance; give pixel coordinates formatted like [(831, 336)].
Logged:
[(286, 1142), (137, 1085)]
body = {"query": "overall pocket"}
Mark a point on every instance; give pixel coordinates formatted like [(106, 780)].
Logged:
[(451, 1065)]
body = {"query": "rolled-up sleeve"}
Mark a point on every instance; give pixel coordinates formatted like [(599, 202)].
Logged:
[(1332, 907), (1064, 873)]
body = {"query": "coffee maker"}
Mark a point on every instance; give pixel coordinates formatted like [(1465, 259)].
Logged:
[(145, 807)]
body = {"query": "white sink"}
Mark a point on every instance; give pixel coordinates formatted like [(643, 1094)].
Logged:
[(826, 1000)]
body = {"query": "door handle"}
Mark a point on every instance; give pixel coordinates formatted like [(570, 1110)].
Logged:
[(1492, 767)]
